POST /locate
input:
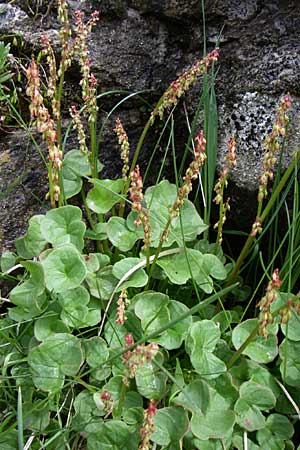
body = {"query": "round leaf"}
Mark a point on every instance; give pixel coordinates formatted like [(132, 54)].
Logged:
[(170, 425), (120, 236), (278, 429), (217, 421), (180, 267), (33, 243), (64, 225), (150, 383), (195, 397), (96, 351), (27, 293), (248, 416), (292, 329), (137, 279), (64, 269), (110, 435), (257, 394), (58, 355), (289, 352), (200, 343), (260, 349), (74, 306), (101, 198), (78, 162), (47, 326), (151, 308)]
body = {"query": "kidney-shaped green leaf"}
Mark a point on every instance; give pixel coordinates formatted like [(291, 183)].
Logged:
[(120, 236), (277, 430), (257, 394), (260, 349), (64, 225), (155, 310), (64, 268), (110, 435), (26, 293), (138, 278), (59, 355), (200, 344), (170, 425), (217, 421), (103, 196), (180, 267), (289, 352), (33, 243), (74, 306), (195, 397)]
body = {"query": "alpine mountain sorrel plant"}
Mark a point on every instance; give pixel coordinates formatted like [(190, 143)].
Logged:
[(115, 334)]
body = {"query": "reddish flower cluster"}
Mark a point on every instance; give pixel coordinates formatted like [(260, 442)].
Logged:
[(265, 315), (256, 227), (136, 196), (190, 174), (183, 83), (50, 57), (124, 143), (65, 34), (121, 309), (148, 426), (45, 125), (78, 126), (88, 82), (140, 355), (230, 163), (272, 146)]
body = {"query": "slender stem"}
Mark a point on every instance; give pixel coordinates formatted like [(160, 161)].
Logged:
[(20, 420), (51, 191), (94, 147), (251, 336), (173, 322), (161, 241), (137, 151), (240, 350), (121, 401), (87, 210), (264, 215)]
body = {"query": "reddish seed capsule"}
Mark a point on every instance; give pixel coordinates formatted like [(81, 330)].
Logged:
[(105, 395)]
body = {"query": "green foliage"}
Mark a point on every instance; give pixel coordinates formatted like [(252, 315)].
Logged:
[(116, 333)]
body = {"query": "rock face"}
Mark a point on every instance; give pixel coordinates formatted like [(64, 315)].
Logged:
[(143, 45)]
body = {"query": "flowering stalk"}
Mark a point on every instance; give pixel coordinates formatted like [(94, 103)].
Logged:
[(251, 237), (171, 97), (182, 84), (124, 143), (140, 355), (67, 53), (136, 196), (230, 163), (88, 81), (125, 147), (148, 426), (122, 303), (265, 316), (46, 126), (52, 79), (78, 126), (272, 147), (190, 174)]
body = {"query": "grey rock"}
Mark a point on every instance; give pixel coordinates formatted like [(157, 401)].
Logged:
[(144, 45)]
